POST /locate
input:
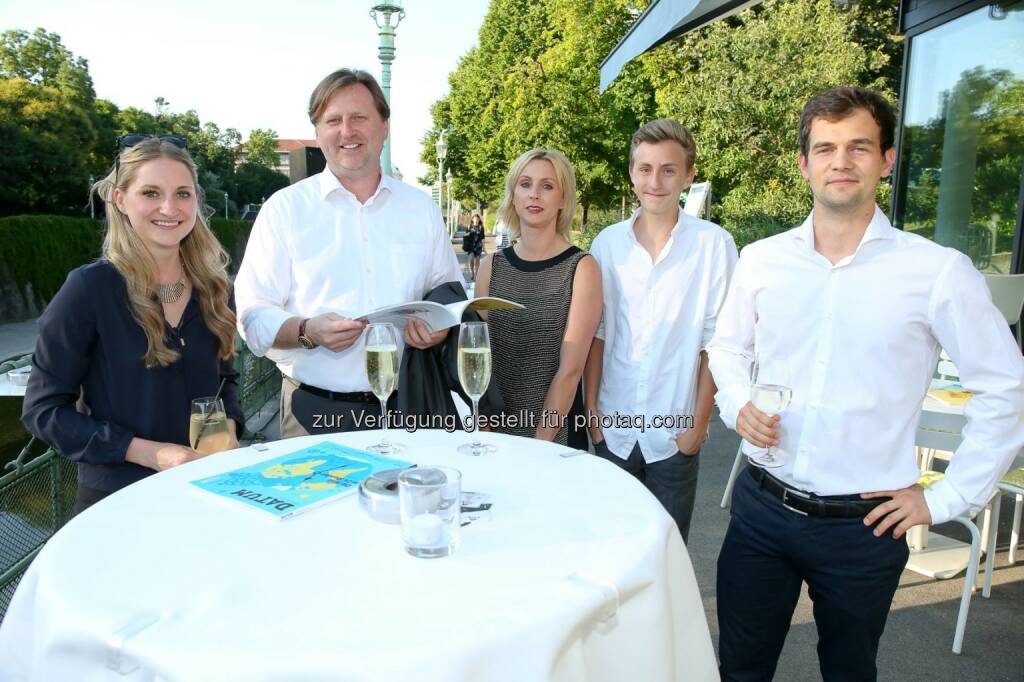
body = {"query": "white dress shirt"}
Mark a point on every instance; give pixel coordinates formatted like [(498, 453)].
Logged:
[(859, 341), (315, 249), (658, 315)]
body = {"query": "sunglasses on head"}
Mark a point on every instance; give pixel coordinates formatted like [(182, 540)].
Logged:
[(132, 139)]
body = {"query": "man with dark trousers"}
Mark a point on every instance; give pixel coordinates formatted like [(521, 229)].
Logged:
[(854, 313)]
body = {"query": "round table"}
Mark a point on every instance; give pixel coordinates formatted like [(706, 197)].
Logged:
[(579, 574)]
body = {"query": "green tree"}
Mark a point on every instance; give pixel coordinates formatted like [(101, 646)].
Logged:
[(261, 149), (533, 82), (740, 84), (41, 59), (46, 139), (254, 183)]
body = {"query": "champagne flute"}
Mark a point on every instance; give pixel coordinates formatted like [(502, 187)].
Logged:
[(382, 373), (208, 426), (770, 393), (475, 375)]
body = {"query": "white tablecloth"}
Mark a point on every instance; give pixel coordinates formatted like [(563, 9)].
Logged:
[(218, 592)]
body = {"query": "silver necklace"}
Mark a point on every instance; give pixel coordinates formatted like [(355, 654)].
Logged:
[(171, 293)]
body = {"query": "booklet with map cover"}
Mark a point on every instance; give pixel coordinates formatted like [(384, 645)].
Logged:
[(291, 484), (435, 315), (951, 395)]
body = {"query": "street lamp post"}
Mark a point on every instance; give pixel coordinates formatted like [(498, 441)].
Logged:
[(92, 206), (382, 13), (441, 147), (225, 205), (453, 223)]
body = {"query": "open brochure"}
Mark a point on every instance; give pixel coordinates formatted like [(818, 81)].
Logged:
[(435, 315), (291, 484)]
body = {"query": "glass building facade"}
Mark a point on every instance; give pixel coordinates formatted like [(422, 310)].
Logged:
[(960, 169)]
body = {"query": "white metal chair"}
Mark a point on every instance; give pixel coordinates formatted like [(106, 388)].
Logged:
[(1008, 297), (942, 431), (1012, 483)]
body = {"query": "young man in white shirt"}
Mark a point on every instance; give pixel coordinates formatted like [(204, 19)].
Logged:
[(330, 248), (648, 391), (855, 313)]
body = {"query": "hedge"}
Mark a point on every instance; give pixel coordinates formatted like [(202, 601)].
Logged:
[(40, 250)]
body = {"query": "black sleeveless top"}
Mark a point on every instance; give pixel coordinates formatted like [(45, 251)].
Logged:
[(526, 344)]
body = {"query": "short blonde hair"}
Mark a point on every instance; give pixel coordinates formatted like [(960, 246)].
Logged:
[(566, 182), (343, 78), (660, 130)]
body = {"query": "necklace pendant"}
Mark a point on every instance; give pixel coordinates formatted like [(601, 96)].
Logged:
[(171, 293)]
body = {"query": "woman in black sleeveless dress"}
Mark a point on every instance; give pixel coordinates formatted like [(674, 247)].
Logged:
[(538, 353)]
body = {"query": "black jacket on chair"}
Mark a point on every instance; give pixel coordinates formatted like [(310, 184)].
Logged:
[(428, 377)]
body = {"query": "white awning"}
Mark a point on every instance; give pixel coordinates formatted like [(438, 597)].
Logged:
[(661, 21)]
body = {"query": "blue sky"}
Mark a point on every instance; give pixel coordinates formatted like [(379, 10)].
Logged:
[(253, 64)]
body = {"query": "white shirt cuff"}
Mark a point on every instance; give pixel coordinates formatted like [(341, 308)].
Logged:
[(943, 501)]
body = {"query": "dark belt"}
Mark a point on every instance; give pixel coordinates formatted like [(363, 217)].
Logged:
[(809, 504), (357, 397)]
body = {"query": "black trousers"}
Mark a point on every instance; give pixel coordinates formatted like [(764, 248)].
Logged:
[(673, 481), (768, 552)]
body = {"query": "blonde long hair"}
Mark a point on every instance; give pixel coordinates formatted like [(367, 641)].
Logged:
[(566, 182), (202, 257)]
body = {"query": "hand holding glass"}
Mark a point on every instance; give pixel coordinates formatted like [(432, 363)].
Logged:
[(208, 426), (770, 393), (475, 375), (382, 373)]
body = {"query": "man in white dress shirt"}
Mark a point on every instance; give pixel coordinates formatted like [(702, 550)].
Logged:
[(854, 313), (664, 275), (331, 248)]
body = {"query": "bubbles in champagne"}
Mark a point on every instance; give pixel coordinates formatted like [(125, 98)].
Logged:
[(474, 370), (382, 369)]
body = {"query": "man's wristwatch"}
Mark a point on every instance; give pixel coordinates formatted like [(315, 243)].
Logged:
[(304, 340)]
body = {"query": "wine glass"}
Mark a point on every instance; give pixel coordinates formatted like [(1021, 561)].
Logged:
[(769, 392), (382, 373), (475, 375), (208, 426)]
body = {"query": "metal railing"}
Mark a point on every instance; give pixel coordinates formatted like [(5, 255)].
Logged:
[(259, 380), (37, 492), (36, 498)]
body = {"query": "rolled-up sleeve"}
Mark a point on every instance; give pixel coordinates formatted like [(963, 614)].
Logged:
[(264, 281), (977, 338), (731, 349), (67, 336)]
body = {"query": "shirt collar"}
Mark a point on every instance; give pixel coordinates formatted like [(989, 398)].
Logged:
[(329, 184), (878, 228), (680, 220)]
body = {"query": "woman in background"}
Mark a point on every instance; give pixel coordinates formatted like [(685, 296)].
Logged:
[(473, 244), (538, 353), (140, 333)]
